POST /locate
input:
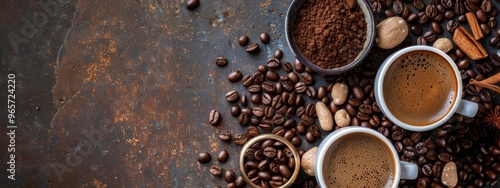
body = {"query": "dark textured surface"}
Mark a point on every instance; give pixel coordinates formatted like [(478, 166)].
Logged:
[(117, 93), (143, 69)]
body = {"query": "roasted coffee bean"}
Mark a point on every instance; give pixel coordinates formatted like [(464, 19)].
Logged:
[(399, 147), (268, 87), (407, 142), (307, 78), (221, 61), (235, 110), (389, 13), (462, 19), (445, 157), (311, 92), (398, 7), (486, 6), (350, 110), (240, 138), (427, 170), (262, 68), (421, 148), (192, 4), (485, 28), (252, 131), (436, 170), (239, 182), (431, 155), (247, 81), (363, 117), (377, 7), (431, 11), (315, 131), (296, 141), (264, 175), (264, 38), (253, 48), (449, 14), (270, 152), (481, 16), (436, 27), (463, 64), (272, 75), (247, 111), (476, 167), (214, 118), (397, 136), (459, 8), (274, 63), (204, 157), (299, 67), (494, 41), (471, 73), (440, 142), (300, 87), (223, 156), (495, 58), (258, 111), (409, 151), (249, 165), (234, 76), (255, 88), (358, 93), (279, 130), (470, 6), (406, 12), (412, 18), (216, 170), (366, 109), (447, 4), (279, 54), (451, 26), (258, 77), (419, 5), (225, 135), (416, 30), (421, 41), (285, 171), (430, 36), (229, 176), (423, 18), (354, 102), (243, 40)]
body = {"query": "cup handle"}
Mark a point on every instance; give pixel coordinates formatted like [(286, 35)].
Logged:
[(409, 171), (467, 108)]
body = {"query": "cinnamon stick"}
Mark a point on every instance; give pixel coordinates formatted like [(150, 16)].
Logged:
[(488, 83), (474, 26)]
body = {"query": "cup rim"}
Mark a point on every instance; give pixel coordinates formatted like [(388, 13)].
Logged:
[(248, 144), (290, 38), (379, 92), (339, 133)]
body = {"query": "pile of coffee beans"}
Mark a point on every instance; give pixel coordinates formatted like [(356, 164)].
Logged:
[(269, 163), (280, 98)]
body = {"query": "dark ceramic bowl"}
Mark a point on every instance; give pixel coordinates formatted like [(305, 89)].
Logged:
[(290, 37)]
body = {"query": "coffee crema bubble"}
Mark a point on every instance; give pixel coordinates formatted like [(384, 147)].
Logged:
[(359, 160), (420, 87)]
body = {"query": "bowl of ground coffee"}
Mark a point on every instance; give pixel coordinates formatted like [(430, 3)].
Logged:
[(330, 36)]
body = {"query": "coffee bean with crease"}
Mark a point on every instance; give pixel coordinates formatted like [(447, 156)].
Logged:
[(399, 147), (427, 170), (398, 7), (377, 7), (419, 5), (258, 77), (430, 36), (307, 78), (253, 48), (459, 7), (423, 18), (274, 63), (436, 169), (409, 151), (431, 11), (397, 136), (421, 41)]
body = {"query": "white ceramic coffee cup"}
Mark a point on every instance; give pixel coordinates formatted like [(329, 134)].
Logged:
[(460, 106), (402, 169)]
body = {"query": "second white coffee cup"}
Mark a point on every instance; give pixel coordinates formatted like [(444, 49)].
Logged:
[(420, 82)]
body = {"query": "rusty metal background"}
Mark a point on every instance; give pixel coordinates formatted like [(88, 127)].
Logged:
[(117, 93)]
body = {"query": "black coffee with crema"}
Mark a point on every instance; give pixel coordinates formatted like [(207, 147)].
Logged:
[(419, 88)]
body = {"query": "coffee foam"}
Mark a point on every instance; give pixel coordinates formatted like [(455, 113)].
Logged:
[(359, 160), (419, 88)]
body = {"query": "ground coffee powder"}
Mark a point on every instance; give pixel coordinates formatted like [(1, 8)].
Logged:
[(330, 33)]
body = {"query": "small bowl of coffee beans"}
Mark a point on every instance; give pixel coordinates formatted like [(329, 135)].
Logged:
[(269, 160), (330, 36)]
